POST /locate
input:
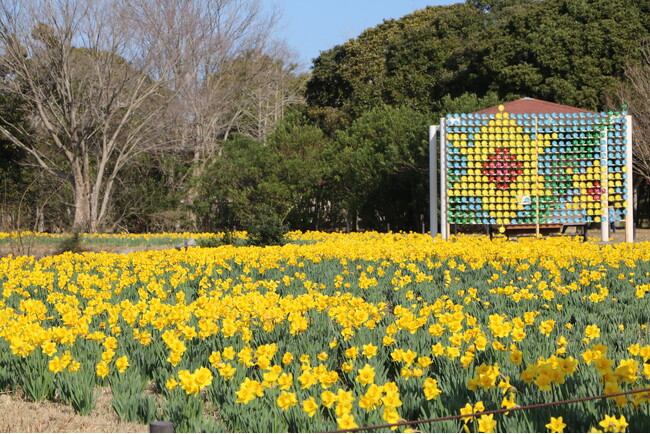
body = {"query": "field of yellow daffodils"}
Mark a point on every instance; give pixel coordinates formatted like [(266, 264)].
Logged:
[(336, 331)]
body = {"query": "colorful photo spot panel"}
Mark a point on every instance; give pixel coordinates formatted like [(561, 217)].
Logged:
[(563, 168)]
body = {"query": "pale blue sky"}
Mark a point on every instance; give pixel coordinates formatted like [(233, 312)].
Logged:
[(312, 26)]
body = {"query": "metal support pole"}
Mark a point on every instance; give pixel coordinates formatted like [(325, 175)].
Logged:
[(433, 181), (629, 182), (444, 226), (537, 146), (604, 172)]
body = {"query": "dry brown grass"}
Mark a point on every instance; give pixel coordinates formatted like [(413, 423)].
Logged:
[(619, 237), (19, 415)]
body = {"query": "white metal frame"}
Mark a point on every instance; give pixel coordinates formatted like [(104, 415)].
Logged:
[(444, 224), (629, 217), (433, 181)]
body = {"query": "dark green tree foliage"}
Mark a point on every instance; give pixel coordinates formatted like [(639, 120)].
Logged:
[(411, 61), (300, 169), (382, 168), (228, 188), (567, 51), (147, 199), (16, 199), (10, 156), (429, 57), (374, 171), (280, 182), (468, 102)]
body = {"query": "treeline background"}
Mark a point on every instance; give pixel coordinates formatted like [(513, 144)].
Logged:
[(174, 115)]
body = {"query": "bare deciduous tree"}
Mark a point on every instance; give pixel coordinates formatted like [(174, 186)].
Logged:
[(635, 92), (93, 88), (219, 44), (106, 80), (273, 90)]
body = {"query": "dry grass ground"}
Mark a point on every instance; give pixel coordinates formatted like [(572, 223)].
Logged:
[(619, 237), (19, 415)]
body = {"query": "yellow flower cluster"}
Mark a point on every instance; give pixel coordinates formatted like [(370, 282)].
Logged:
[(194, 382), (359, 328), (546, 372)]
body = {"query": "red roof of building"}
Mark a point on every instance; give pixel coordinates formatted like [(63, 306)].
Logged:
[(532, 105)]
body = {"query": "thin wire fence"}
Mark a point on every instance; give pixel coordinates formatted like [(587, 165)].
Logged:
[(501, 410)]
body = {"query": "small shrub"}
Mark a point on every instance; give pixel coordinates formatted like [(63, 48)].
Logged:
[(266, 229), (210, 242), (71, 244), (228, 239)]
